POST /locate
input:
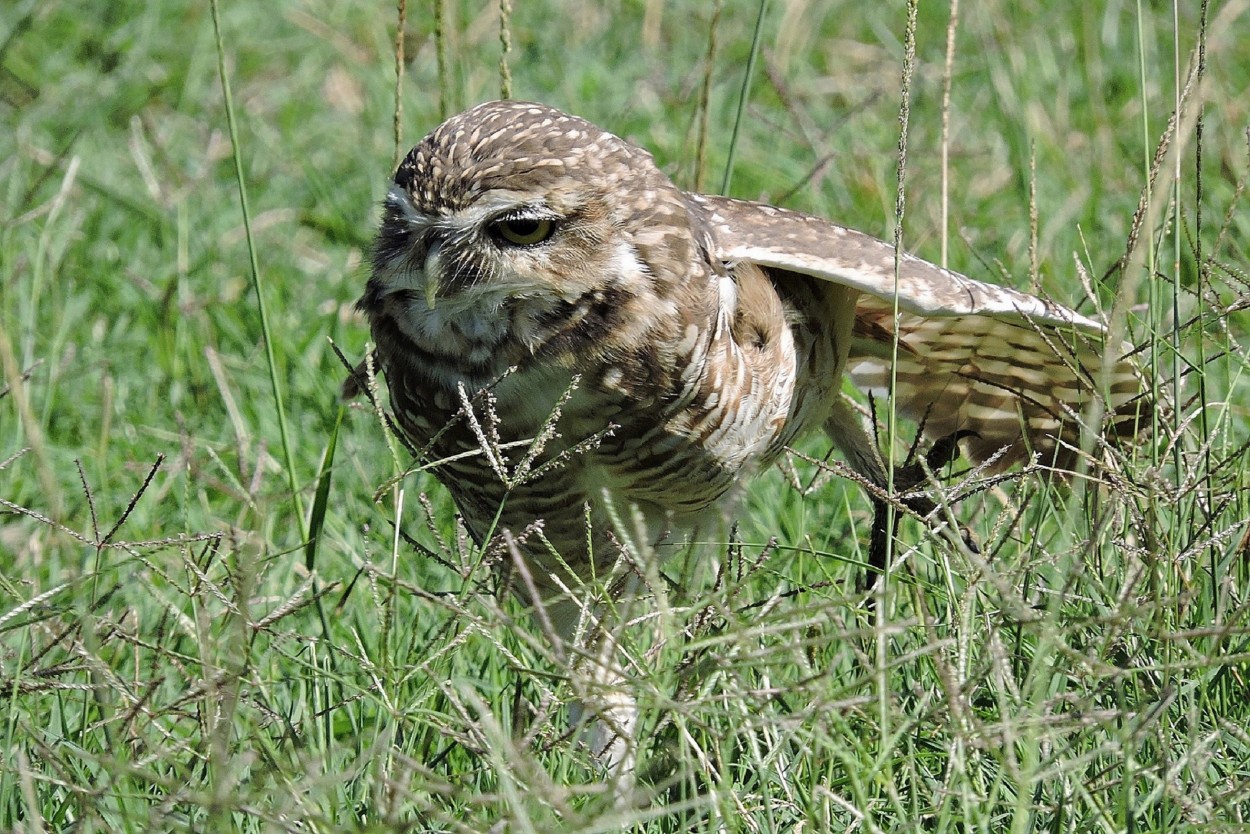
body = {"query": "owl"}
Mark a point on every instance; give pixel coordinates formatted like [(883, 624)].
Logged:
[(570, 340)]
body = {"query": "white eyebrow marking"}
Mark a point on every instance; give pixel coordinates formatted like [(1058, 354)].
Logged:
[(398, 199)]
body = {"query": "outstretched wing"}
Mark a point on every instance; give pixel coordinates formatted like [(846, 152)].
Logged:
[(1015, 369)]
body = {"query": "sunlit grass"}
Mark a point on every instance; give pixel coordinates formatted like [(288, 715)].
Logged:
[(168, 662)]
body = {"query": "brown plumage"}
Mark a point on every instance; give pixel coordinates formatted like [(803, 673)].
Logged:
[(528, 259)]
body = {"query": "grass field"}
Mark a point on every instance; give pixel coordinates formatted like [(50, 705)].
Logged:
[(174, 656)]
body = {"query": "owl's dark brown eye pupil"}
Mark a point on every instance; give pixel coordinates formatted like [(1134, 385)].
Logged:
[(522, 231)]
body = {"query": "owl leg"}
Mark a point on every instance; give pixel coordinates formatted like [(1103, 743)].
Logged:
[(605, 714), (846, 429)]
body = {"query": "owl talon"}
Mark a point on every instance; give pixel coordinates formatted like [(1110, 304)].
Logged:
[(946, 449)]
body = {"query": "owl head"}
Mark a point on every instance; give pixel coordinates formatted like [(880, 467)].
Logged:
[(513, 221)]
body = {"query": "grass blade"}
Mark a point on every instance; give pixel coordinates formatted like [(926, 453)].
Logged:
[(257, 282)]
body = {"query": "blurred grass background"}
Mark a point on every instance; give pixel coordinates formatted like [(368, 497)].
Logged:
[(176, 673)]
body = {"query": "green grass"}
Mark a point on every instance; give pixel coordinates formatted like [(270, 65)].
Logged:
[(169, 663)]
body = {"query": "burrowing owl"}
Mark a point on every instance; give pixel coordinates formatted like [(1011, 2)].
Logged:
[(531, 264)]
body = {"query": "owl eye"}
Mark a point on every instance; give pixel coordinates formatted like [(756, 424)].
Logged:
[(522, 231)]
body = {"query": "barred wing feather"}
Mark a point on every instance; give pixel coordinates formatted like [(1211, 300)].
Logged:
[(1017, 370)]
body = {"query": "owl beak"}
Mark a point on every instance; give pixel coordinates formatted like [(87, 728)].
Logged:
[(433, 269)]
